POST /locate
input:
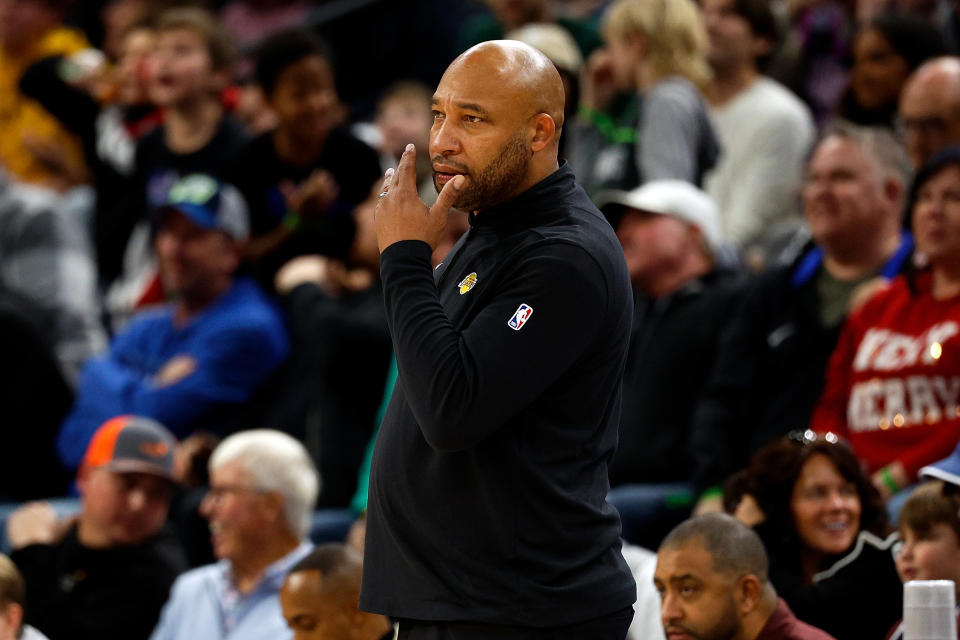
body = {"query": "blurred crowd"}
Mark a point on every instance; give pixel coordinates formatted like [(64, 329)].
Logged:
[(193, 326)]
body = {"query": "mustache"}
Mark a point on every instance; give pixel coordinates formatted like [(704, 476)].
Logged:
[(674, 628), (438, 159)]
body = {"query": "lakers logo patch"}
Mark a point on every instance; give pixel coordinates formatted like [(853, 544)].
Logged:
[(468, 283), (520, 317)]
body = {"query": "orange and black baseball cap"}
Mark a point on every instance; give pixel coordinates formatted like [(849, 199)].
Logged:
[(132, 444)]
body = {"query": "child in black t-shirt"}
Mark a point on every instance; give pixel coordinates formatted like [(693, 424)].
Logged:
[(303, 179), (188, 73), (191, 68)]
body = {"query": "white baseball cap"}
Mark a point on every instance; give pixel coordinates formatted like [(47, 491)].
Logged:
[(553, 41), (675, 198)]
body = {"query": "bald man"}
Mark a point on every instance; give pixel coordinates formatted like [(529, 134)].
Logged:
[(712, 578), (487, 513), (319, 598), (930, 108)]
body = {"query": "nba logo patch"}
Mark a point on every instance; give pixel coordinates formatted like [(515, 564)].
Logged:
[(520, 317)]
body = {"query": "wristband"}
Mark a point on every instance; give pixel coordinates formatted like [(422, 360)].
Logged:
[(712, 492), (888, 481), (596, 117), (606, 126)]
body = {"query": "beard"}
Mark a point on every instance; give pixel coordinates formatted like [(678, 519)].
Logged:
[(496, 182), (725, 628)]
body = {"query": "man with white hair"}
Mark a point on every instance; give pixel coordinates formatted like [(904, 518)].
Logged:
[(263, 487), (683, 298)]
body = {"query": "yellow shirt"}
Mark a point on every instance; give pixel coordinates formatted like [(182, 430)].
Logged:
[(20, 116)]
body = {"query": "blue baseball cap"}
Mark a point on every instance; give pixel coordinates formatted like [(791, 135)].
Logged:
[(209, 204), (947, 469)]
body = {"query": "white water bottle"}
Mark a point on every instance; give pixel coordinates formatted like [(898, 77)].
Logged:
[(929, 610)]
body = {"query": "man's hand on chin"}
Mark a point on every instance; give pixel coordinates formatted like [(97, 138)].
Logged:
[(400, 213)]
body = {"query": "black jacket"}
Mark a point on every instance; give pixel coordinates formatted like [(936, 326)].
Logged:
[(98, 594), (333, 385), (672, 350), (769, 371), (856, 596), (487, 491)]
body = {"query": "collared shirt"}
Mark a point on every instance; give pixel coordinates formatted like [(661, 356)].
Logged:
[(783, 625), (204, 603)]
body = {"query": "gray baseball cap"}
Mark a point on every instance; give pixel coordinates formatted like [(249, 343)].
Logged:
[(132, 444)]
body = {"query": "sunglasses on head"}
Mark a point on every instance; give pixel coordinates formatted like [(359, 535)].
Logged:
[(809, 436)]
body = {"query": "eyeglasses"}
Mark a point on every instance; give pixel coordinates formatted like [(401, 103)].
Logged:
[(216, 494), (809, 436)]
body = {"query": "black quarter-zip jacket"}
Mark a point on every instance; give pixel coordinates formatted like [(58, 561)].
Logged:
[(490, 472)]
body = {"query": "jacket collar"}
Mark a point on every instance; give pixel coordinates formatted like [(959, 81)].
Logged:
[(536, 204), (809, 264)]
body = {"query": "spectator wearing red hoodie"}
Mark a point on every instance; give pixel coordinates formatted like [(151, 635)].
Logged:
[(893, 382)]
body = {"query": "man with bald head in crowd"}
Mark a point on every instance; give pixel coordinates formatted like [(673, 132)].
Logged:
[(319, 598), (712, 577), (487, 514), (930, 108)]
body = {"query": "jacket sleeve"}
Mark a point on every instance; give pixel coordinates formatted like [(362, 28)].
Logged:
[(717, 431), (226, 371), (464, 385), (668, 137), (319, 322), (74, 108)]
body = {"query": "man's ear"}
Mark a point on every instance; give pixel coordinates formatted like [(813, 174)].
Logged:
[(748, 593), (13, 615), (544, 132), (274, 501), (893, 190)]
